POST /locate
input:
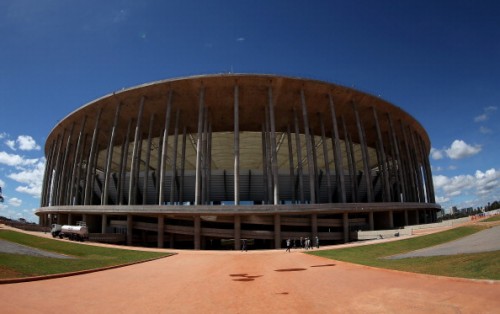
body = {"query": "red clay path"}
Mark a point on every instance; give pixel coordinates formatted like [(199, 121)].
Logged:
[(250, 282)]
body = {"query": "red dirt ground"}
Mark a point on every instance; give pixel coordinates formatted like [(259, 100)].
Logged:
[(250, 282)]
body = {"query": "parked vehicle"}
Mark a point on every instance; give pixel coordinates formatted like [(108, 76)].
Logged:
[(77, 232)]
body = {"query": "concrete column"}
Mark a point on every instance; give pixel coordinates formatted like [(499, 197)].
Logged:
[(130, 225), (310, 162), (291, 164), (57, 170), (371, 222), (174, 158), (90, 168), (197, 186), (47, 177), (339, 168), (395, 144), (298, 148), (237, 232), (364, 152), (104, 223), (314, 227), (161, 231), (58, 219), (236, 151), (351, 162), (197, 232), (345, 224), (70, 219), (109, 155), (406, 218), (148, 161), (183, 163), (164, 148), (274, 155), (134, 164), (383, 161), (417, 217), (325, 157), (391, 219), (277, 231), (64, 176)]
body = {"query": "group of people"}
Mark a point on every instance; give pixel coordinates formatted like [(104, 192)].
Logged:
[(304, 243)]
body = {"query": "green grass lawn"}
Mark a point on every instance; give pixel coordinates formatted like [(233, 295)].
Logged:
[(477, 265), (85, 257), (491, 219)]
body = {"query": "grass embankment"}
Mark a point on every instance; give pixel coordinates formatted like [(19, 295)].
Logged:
[(85, 257), (492, 219), (478, 265)]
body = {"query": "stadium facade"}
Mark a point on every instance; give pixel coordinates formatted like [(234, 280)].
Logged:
[(203, 161)]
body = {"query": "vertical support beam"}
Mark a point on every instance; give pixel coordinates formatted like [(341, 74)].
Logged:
[(339, 167), (277, 231), (417, 217), (164, 149), (174, 158), (345, 224), (364, 154), (406, 217), (351, 163), (130, 224), (161, 231), (90, 169), (409, 165), (265, 164), (197, 186), (237, 232), (310, 163), (391, 219), (148, 161), (104, 223), (383, 162), (314, 227), (183, 164), (395, 144), (70, 218), (298, 147), (109, 155), (371, 222), (236, 152), (291, 164), (57, 170), (64, 176), (123, 164), (197, 232), (325, 158), (134, 164), (274, 155)]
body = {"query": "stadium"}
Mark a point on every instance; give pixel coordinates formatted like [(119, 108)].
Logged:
[(204, 162)]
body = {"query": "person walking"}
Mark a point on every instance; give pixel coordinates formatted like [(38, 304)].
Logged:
[(244, 245), (287, 245), (316, 239)]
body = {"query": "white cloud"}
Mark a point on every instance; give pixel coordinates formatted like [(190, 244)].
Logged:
[(436, 154), (11, 144), (480, 186), (3, 135), (481, 118), (31, 178), (15, 160), (486, 114), (240, 39), (26, 142), (485, 130), (15, 202), (440, 199), (459, 149)]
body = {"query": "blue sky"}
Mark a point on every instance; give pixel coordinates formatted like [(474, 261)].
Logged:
[(438, 60)]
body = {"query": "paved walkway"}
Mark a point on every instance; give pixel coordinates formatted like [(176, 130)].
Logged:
[(250, 282), (483, 241)]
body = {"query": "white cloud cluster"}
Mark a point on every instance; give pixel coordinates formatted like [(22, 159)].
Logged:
[(458, 150), (31, 178), (23, 142), (14, 160), (486, 114), (481, 185)]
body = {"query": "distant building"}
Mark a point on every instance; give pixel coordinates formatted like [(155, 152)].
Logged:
[(203, 161)]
